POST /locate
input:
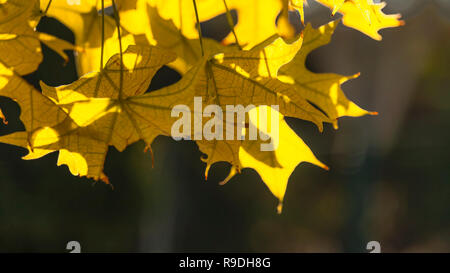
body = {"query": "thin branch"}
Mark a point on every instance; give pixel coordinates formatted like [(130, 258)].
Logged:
[(48, 6), (103, 35), (231, 24), (199, 28), (117, 19)]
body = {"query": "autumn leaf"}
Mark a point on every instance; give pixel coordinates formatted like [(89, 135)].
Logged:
[(86, 24), (142, 17), (182, 13), (108, 105), (37, 111), (257, 18), (274, 167), (20, 46), (364, 15), (82, 119), (250, 78), (322, 89), (163, 33), (276, 176), (276, 59), (21, 51)]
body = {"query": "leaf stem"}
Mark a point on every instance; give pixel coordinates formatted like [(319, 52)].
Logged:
[(231, 24), (103, 35), (48, 6), (116, 17), (199, 28)]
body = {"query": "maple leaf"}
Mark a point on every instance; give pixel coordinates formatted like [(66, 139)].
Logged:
[(142, 17), (182, 13), (21, 51), (241, 77), (364, 15), (249, 77), (19, 41), (276, 60), (109, 104), (163, 33), (256, 17), (276, 176), (86, 24), (82, 119), (322, 89), (37, 111), (274, 167)]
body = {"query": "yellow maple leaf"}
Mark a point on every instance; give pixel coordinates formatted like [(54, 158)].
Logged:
[(104, 108), (21, 49), (142, 17), (275, 165), (108, 103), (249, 77), (85, 22), (182, 13), (163, 33), (276, 59), (19, 41), (257, 18), (37, 111), (364, 15), (291, 151), (322, 89)]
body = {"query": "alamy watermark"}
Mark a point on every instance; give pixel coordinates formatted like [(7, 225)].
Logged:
[(263, 123)]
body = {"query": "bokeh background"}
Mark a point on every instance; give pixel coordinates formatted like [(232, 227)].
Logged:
[(389, 179)]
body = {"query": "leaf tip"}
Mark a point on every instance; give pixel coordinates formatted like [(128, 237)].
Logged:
[(148, 148), (280, 207), (105, 179), (232, 173), (335, 125), (3, 118), (207, 171)]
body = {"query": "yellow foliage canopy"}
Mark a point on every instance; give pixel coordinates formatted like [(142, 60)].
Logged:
[(118, 57)]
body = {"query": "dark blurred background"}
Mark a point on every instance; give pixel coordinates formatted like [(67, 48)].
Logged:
[(389, 179)]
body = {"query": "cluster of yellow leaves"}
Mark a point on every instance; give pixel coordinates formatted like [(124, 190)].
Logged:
[(108, 106), (257, 18)]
